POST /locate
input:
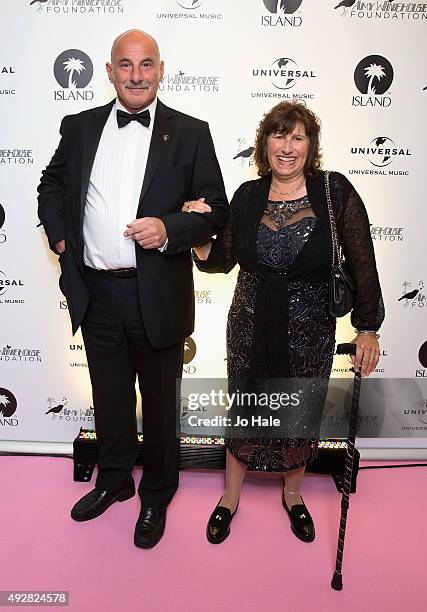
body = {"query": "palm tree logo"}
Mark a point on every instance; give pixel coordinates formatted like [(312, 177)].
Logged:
[(8, 403), (2, 216), (373, 75), (283, 6), (73, 65), (190, 350), (373, 71), (4, 400), (73, 69)]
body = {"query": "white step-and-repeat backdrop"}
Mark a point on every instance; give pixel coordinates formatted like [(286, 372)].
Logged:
[(359, 65)]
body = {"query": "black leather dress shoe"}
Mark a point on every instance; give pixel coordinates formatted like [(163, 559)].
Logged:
[(149, 527), (301, 522), (218, 528), (96, 502)]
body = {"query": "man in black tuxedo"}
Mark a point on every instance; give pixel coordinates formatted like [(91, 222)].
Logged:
[(110, 201)]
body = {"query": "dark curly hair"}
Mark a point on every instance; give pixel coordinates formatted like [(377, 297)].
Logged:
[(282, 119)]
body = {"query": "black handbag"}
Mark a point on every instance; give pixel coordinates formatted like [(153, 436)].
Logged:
[(342, 290)]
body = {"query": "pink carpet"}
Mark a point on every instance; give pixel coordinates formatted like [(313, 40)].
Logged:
[(262, 566)]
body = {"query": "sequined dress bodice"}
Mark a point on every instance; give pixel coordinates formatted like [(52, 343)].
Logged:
[(278, 249)]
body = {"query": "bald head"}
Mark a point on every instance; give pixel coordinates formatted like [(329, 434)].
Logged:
[(135, 69), (131, 37)]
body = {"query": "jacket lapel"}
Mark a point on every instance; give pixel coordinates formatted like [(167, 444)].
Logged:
[(161, 137)]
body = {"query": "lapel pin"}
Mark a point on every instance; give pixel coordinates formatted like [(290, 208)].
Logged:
[(165, 137)]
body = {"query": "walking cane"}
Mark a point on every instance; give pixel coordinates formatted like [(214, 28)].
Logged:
[(347, 349)]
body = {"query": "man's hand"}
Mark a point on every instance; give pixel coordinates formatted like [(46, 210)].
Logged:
[(60, 247), (148, 232)]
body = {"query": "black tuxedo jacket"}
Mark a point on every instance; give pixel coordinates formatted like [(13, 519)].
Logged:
[(181, 166)]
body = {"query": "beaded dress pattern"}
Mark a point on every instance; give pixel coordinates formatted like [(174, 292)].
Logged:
[(311, 336)]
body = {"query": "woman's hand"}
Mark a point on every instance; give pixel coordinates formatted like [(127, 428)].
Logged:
[(196, 206), (200, 206), (367, 354)]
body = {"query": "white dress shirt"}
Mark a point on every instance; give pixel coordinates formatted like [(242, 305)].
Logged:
[(113, 193)]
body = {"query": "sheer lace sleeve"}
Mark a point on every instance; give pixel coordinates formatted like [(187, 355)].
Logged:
[(221, 257), (355, 238)]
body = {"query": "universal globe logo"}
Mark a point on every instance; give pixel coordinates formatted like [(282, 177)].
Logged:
[(373, 77), (381, 152), (190, 4), (5, 284), (73, 70), (281, 13), (284, 74)]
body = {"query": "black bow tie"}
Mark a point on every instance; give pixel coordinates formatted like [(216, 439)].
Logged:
[(125, 118)]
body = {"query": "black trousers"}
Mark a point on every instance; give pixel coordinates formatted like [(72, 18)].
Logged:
[(118, 350)]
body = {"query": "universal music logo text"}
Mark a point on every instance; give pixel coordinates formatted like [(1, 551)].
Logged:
[(285, 74), (7, 70), (190, 12)]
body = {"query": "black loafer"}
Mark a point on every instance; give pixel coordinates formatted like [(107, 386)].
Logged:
[(149, 527), (301, 522), (218, 528), (96, 502)]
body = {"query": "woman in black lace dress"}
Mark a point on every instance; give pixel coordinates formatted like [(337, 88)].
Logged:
[(279, 324)]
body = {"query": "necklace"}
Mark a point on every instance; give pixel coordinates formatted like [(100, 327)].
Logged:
[(288, 192), (281, 211)]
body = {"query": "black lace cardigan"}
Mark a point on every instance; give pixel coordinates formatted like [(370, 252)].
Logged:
[(236, 243)]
